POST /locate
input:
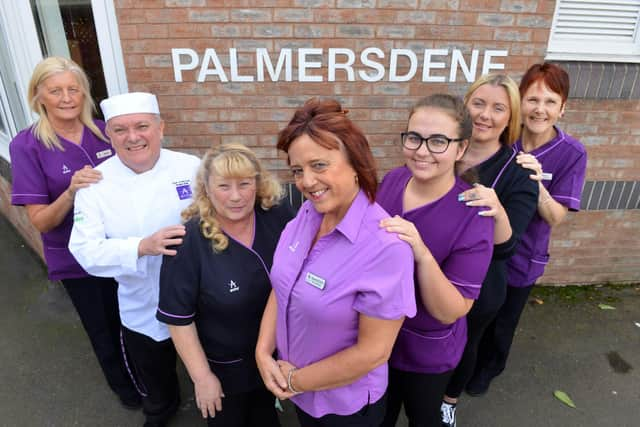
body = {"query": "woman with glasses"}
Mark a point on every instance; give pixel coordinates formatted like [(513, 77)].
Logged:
[(507, 194), (452, 247), (558, 162)]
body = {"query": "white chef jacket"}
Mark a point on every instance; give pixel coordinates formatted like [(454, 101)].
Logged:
[(114, 215)]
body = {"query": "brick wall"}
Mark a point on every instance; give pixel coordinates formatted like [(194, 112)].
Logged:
[(592, 246), (16, 215)]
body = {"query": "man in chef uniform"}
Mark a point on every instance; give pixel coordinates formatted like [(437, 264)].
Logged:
[(124, 224)]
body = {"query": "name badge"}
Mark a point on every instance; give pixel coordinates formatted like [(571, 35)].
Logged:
[(103, 153), (546, 176), (314, 280)]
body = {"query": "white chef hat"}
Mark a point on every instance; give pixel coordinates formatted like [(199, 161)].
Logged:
[(129, 103)]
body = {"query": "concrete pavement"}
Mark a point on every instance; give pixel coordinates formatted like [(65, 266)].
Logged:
[(49, 376)]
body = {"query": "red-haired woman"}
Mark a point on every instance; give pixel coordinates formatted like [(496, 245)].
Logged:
[(341, 285)]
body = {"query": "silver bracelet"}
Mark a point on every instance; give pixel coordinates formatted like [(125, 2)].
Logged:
[(289, 385)]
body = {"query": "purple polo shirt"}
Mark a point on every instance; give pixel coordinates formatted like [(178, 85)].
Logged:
[(41, 175), (461, 241), (321, 290), (564, 160)]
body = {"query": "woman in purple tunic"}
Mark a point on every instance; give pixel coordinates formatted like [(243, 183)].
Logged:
[(341, 284), (508, 195), (50, 161), (559, 164), (452, 248)]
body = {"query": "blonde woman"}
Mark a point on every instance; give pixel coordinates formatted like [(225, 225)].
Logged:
[(214, 290), (505, 192), (50, 161)]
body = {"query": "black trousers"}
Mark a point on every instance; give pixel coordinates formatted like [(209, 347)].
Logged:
[(484, 310), (250, 409), (498, 337), (152, 366), (370, 415), (96, 301), (421, 395)]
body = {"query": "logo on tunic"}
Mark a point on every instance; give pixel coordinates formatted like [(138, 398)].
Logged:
[(65, 169), (233, 287), (293, 247)]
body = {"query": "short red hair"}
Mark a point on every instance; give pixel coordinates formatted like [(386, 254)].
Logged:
[(327, 124), (553, 76)]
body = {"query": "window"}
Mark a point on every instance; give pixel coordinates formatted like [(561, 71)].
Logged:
[(591, 30)]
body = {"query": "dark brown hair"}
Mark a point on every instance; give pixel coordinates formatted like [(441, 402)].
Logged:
[(553, 76), (327, 124)]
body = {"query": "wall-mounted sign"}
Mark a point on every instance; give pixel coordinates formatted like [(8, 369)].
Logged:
[(372, 65)]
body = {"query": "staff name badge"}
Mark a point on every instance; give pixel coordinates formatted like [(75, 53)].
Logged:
[(103, 153), (546, 176), (315, 281)]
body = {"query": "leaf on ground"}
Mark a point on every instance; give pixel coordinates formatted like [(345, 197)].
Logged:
[(564, 398), (538, 301), (606, 307)]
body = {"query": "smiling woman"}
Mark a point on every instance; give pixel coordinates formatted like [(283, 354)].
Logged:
[(51, 161), (333, 322), (213, 292)]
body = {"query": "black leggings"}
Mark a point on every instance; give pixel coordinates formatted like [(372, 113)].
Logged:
[(253, 408), (96, 301), (421, 395), (496, 341), (484, 310)]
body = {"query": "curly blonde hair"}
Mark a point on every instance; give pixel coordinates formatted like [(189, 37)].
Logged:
[(229, 161)]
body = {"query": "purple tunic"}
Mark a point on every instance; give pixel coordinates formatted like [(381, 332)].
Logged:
[(564, 159), (461, 241), (321, 290), (41, 175)]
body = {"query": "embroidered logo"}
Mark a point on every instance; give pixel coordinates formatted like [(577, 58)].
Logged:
[(293, 247), (103, 153), (183, 188), (233, 287), (65, 169)]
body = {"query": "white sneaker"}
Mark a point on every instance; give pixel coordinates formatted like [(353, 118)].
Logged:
[(448, 414)]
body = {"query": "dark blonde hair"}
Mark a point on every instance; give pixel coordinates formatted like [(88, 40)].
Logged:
[(511, 133), (229, 161), (42, 129)]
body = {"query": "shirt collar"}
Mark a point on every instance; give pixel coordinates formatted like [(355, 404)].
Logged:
[(350, 224)]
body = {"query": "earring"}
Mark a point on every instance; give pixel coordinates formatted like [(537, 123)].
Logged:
[(356, 176)]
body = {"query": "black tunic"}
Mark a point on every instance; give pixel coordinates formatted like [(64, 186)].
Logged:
[(224, 294)]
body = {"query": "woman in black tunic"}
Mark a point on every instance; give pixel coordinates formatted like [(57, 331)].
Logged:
[(213, 292)]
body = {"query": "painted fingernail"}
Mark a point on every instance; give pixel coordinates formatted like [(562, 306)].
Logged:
[(461, 197)]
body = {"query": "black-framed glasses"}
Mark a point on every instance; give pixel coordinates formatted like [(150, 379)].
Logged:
[(435, 143)]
